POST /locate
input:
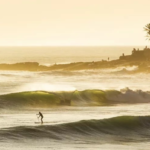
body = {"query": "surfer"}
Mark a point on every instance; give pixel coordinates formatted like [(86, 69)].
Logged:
[(40, 115)]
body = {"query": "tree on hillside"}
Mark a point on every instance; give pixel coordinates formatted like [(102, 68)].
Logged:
[(147, 29)]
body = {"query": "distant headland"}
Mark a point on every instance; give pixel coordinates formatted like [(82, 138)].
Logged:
[(139, 58)]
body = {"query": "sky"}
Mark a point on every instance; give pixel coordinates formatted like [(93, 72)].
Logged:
[(73, 22)]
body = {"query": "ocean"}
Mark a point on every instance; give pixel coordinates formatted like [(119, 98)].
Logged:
[(88, 109)]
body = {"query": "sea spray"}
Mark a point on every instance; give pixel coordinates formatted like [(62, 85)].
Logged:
[(45, 99)]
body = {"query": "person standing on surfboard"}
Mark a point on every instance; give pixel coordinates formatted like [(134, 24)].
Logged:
[(40, 115)]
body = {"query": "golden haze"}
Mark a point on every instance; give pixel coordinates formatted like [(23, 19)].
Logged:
[(73, 22)]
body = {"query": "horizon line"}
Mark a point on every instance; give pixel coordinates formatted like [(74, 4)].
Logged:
[(70, 45)]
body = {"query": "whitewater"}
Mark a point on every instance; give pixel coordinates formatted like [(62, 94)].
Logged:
[(90, 109)]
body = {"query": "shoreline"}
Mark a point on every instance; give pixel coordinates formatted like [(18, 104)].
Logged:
[(139, 58)]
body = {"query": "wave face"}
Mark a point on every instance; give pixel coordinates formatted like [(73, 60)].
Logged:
[(43, 99), (124, 128)]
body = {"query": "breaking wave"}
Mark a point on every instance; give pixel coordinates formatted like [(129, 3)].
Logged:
[(44, 99), (114, 129), (117, 70)]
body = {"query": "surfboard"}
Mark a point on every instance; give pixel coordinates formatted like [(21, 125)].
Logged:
[(41, 123), (38, 122)]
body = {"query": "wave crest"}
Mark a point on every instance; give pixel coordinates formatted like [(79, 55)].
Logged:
[(43, 99), (117, 128)]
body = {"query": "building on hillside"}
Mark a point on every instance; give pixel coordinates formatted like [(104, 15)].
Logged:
[(137, 55)]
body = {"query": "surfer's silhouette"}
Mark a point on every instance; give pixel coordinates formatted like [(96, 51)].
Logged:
[(40, 115)]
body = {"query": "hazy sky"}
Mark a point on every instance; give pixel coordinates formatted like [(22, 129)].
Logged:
[(73, 22)]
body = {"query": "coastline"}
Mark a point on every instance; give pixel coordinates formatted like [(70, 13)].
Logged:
[(139, 58)]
